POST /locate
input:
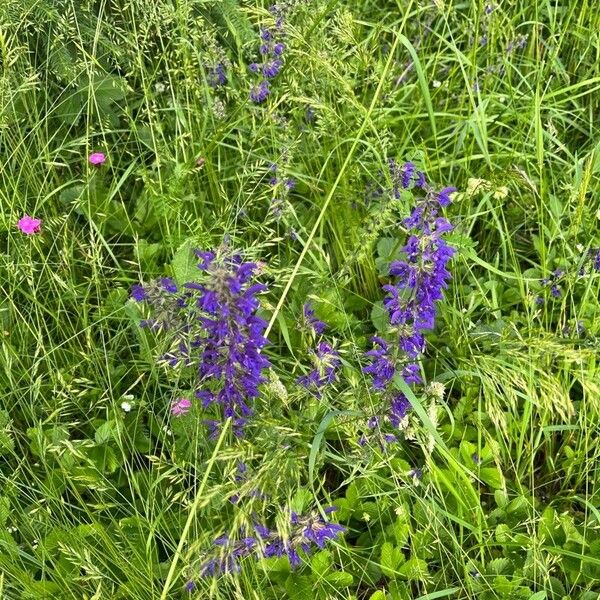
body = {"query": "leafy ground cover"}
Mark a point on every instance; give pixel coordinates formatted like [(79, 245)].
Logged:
[(299, 300)]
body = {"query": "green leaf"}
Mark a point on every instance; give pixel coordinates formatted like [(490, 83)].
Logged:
[(414, 569), (105, 432), (380, 317), (185, 264), (340, 579), (320, 563), (300, 500), (492, 477), (391, 559), (499, 566), (401, 532), (299, 588)]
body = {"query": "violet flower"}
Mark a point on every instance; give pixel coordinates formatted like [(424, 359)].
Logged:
[(305, 533), (311, 320), (411, 301), (214, 328), (326, 362)]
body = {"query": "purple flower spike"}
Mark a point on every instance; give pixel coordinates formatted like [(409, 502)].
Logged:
[(259, 92), (326, 361), (138, 293), (311, 321), (382, 368), (306, 532), (421, 276), (214, 326), (444, 196)]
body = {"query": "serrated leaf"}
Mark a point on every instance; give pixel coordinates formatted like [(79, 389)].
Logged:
[(320, 563), (401, 532), (185, 264), (391, 558), (352, 495), (105, 432), (340, 579), (499, 566), (414, 569), (299, 588)]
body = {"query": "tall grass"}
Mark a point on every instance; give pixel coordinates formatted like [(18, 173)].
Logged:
[(99, 502)]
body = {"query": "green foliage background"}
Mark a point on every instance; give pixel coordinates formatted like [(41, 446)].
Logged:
[(94, 500)]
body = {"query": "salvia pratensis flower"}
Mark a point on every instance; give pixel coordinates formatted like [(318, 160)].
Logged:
[(214, 327), (216, 75), (326, 362), (311, 321), (271, 50), (420, 278), (305, 533)]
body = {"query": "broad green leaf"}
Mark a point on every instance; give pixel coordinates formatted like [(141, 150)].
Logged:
[(414, 569), (340, 579), (299, 588), (320, 563), (185, 264)]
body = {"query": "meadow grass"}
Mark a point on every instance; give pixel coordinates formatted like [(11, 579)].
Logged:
[(98, 501)]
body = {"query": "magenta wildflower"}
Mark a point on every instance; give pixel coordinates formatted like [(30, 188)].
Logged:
[(29, 225), (180, 406), (97, 158)]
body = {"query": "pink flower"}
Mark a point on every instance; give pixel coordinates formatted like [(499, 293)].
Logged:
[(181, 406), (97, 158), (28, 225)]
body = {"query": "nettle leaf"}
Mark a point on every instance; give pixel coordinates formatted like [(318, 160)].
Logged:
[(414, 569), (185, 264), (299, 588), (340, 579), (391, 558), (320, 563)]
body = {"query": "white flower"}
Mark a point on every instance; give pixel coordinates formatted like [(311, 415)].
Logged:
[(126, 406)]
